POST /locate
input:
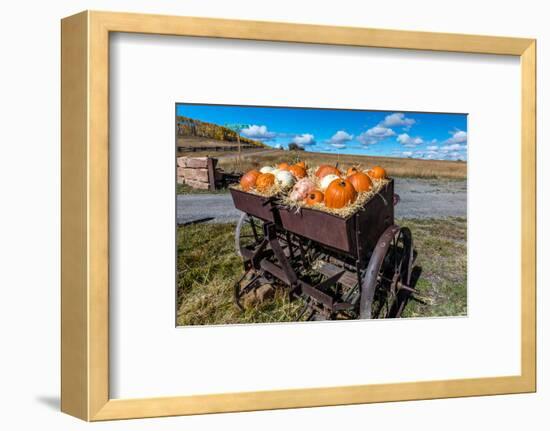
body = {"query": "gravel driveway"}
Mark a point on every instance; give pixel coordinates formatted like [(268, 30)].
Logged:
[(420, 198)]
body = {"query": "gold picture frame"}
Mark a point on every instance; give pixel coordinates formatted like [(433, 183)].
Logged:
[(85, 218)]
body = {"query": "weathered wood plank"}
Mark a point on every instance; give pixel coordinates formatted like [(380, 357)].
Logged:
[(192, 162), (195, 174), (197, 184), (195, 162)]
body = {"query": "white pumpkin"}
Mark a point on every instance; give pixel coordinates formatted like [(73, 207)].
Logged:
[(327, 179), (284, 178), (267, 170), (301, 189)]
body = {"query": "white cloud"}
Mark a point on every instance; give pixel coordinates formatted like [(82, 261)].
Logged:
[(339, 139), (456, 156), (258, 132), (407, 153), (458, 137), (441, 153), (337, 145), (453, 147), (409, 141), (380, 132), (384, 129), (397, 119), (375, 134), (304, 139)]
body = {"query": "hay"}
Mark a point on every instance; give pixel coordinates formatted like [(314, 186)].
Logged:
[(348, 210), (274, 190)]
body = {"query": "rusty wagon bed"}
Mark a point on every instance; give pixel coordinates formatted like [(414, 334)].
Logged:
[(350, 234)]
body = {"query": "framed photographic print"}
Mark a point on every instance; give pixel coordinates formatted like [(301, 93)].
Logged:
[(262, 215)]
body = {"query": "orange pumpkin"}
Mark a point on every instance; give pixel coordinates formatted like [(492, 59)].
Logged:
[(360, 181), (327, 169), (377, 173), (315, 197), (264, 182), (351, 171), (298, 171), (339, 194), (248, 180), (302, 164), (283, 166)]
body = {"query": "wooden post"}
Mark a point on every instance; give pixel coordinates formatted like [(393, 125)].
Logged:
[(239, 150), (211, 165)]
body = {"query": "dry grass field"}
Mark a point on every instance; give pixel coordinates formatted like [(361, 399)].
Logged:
[(396, 167)]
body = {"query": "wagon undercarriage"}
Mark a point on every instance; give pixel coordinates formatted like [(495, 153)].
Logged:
[(361, 278)]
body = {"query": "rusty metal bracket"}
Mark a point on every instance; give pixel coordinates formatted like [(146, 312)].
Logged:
[(271, 235)]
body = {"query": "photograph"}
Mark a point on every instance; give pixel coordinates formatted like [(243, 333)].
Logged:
[(292, 214)]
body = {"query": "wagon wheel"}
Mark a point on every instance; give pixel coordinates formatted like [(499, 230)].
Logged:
[(249, 232), (386, 285)]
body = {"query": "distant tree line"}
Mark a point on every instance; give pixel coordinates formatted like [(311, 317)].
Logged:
[(190, 127), (293, 146)]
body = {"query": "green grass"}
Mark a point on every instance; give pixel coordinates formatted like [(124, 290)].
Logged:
[(208, 267), (184, 189), (442, 254)]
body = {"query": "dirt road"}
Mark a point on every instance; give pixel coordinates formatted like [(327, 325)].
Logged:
[(420, 198)]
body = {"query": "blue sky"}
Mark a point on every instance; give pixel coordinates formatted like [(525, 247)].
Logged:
[(376, 133)]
